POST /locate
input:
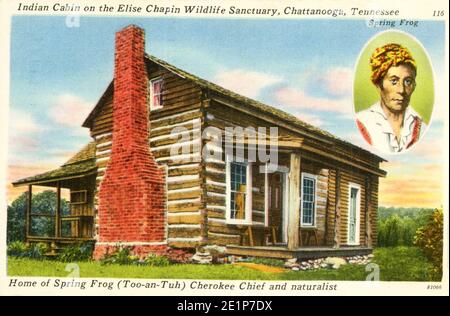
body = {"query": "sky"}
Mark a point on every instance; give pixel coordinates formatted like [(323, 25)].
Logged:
[(304, 67)]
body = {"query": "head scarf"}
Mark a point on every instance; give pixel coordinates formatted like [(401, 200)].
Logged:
[(387, 56)]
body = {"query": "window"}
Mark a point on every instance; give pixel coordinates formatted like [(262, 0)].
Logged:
[(238, 192), (156, 89), (308, 199)]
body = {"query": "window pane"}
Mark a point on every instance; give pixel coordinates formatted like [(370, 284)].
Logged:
[(308, 197), (238, 190), (157, 87)]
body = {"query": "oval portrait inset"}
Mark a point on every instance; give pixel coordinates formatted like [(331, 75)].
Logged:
[(393, 92)]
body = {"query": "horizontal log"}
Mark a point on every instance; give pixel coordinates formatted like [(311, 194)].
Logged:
[(175, 161), (166, 133), (183, 171), (101, 156), (224, 229), (215, 188), (184, 232), (177, 85), (184, 207), (222, 240), (184, 99), (214, 165), (216, 214), (180, 92), (96, 132), (215, 200), (184, 195), (169, 140), (184, 184), (102, 164), (176, 120), (163, 153), (104, 118), (185, 219), (215, 177), (174, 109)]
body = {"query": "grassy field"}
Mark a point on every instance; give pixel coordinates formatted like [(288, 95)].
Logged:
[(396, 264)]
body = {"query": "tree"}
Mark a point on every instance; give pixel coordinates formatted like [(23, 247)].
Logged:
[(429, 239), (398, 226), (44, 203), (16, 219)]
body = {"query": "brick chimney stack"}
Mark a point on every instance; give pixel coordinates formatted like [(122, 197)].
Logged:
[(132, 193)]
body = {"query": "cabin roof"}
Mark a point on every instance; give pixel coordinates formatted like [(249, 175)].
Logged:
[(81, 163), (259, 106), (256, 105)]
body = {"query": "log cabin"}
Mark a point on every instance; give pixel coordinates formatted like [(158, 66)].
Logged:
[(148, 180)]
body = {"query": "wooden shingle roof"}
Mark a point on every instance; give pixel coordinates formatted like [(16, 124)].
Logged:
[(81, 163)]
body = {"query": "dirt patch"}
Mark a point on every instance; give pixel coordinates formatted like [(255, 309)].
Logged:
[(260, 267)]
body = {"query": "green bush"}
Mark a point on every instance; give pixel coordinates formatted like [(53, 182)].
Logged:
[(156, 261), (21, 249), (398, 226), (74, 253), (267, 261), (38, 251), (429, 239), (18, 249), (402, 264), (122, 257)]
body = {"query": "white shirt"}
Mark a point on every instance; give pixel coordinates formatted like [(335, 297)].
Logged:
[(378, 132)]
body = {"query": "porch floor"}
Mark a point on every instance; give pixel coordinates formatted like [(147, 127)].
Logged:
[(59, 240), (282, 252)]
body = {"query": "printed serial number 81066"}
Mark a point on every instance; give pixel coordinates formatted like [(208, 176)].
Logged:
[(434, 287), (246, 305)]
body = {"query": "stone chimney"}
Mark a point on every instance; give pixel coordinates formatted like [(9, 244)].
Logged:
[(132, 194)]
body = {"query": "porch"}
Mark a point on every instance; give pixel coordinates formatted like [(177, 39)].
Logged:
[(302, 253), (310, 207), (67, 215)]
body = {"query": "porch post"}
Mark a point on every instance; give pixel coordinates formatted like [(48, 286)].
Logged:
[(294, 201), (368, 211), (58, 211), (337, 211), (28, 211)]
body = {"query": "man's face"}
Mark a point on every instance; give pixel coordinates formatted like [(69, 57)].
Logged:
[(397, 87)]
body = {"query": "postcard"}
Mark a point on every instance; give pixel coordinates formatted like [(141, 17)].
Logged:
[(224, 148)]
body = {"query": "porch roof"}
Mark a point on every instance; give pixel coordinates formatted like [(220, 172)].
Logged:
[(82, 163)]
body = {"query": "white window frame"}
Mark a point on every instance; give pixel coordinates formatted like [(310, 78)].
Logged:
[(266, 195), (151, 83), (358, 214), (312, 177), (248, 198)]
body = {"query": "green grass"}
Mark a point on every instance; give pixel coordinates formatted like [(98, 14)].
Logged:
[(396, 264)]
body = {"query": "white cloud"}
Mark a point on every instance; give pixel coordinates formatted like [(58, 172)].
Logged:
[(298, 99), (311, 119), (337, 81), (357, 139), (23, 123), (245, 82), (440, 109), (24, 131), (70, 110)]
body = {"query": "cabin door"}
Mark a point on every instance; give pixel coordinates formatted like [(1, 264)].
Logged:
[(353, 214), (276, 204)]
